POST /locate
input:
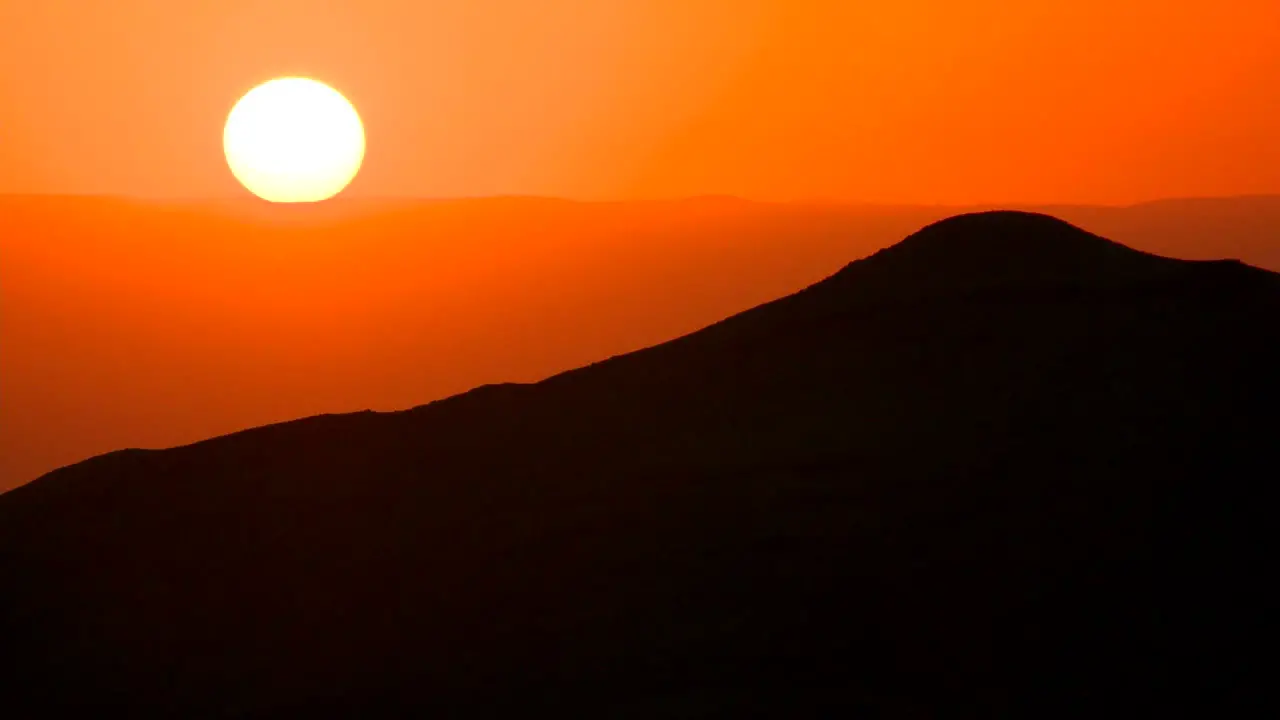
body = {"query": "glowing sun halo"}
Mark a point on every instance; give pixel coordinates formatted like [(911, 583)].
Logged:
[(294, 140)]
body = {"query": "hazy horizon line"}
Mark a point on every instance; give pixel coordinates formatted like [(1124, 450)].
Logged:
[(666, 200)]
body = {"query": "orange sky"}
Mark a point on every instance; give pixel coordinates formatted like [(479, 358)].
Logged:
[(912, 101)]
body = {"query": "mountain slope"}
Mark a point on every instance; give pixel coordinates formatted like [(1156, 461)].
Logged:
[(143, 324), (1002, 465)]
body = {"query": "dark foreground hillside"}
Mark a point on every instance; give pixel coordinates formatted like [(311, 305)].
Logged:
[(1002, 466)]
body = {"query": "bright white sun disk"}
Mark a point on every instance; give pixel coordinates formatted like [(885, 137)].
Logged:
[(294, 140)]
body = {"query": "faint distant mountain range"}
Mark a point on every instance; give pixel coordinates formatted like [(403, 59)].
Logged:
[(1001, 468), (139, 324), (1244, 228)]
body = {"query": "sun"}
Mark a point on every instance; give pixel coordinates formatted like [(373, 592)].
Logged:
[(294, 140)]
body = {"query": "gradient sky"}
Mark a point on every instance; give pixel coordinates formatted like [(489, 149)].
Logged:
[(1106, 101)]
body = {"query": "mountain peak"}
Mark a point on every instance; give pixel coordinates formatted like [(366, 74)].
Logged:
[(1003, 250), (996, 235)]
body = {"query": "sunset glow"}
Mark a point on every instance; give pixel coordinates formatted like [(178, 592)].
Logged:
[(639, 358)]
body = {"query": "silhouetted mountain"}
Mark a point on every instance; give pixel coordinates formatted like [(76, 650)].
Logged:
[(153, 324), (1003, 466)]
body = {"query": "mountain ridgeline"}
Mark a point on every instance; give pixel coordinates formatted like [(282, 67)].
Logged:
[(1002, 466)]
